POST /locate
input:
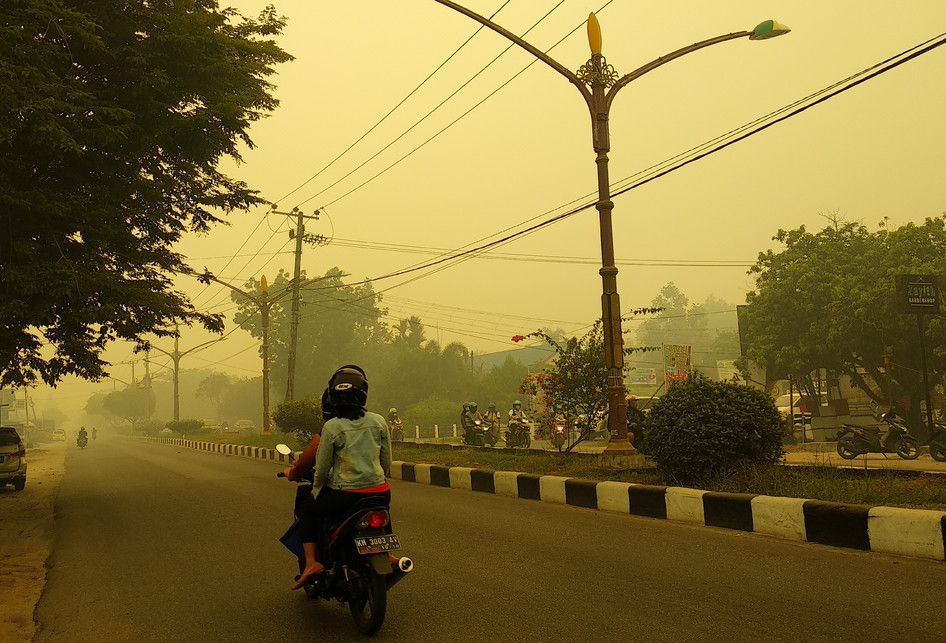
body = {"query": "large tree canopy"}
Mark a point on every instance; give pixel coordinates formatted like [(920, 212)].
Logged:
[(827, 300), (113, 119)]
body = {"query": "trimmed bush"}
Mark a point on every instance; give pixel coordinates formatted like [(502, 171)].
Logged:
[(302, 418), (184, 427), (702, 430)]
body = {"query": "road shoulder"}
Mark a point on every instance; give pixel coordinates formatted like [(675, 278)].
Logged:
[(26, 540)]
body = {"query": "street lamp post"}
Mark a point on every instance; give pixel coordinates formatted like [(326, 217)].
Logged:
[(176, 356), (598, 82)]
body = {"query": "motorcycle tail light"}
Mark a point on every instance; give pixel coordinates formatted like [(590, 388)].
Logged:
[(375, 520)]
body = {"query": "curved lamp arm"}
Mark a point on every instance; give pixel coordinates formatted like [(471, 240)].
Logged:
[(663, 60), (538, 53)]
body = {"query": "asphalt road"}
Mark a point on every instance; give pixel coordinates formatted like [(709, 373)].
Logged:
[(157, 543)]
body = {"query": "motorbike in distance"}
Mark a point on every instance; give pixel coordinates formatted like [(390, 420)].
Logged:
[(478, 434), (397, 431), (355, 552), (82, 441), (855, 440), (519, 433)]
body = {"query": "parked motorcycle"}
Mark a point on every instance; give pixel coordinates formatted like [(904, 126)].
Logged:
[(938, 442), (519, 433), (478, 434), (355, 552), (855, 440), (558, 434), (397, 431)]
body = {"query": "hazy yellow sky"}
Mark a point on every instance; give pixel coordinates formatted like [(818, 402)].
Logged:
[(876, 151)]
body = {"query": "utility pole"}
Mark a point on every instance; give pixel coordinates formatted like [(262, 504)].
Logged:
[(299, 235), (176, 356)]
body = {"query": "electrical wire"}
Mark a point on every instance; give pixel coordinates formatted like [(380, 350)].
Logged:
[(432, 111), (393, 109), (454, 122)]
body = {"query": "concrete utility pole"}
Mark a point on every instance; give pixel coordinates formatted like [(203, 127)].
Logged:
[(264, 302), (598, 82), (176, 356), (299, 235)]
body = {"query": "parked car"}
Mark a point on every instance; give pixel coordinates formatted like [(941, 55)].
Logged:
[(12, 458), (59, 435)]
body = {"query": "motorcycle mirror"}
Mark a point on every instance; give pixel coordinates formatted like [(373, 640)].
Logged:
[(284, 449)]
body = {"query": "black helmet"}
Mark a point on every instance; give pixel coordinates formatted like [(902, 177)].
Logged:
[(348, 387), (328, 411)]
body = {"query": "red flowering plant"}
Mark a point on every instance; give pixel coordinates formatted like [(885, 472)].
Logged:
[(575, 381)]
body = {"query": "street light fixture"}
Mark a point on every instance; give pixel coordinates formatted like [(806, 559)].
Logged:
[(598, 82)]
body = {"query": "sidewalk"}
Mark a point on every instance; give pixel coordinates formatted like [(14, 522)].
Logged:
[(874, 461), (26, 539)]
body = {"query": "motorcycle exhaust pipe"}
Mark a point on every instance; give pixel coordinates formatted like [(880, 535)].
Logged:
[(404, 567)]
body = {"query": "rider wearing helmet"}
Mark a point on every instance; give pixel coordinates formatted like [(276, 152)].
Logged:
[(470, 416), (516, 412), (351, 463), (393, 416)]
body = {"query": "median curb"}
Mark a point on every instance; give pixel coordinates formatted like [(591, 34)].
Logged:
[(919, 533)]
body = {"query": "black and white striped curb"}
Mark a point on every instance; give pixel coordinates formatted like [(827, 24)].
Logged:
[(908, 532), (256, 453)]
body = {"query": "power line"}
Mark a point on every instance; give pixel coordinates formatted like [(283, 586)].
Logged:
[(432, 111), (869, 73), (455, 121), (558, 259), (393, 109)]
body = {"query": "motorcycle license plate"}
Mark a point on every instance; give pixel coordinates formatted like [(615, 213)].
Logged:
[(377, 544)]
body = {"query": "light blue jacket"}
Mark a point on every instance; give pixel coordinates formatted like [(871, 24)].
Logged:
[(353, 454)]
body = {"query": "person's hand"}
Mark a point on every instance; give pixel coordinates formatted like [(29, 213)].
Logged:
[(287, 472)]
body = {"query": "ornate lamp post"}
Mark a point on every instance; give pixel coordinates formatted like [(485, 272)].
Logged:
[(598, 82)]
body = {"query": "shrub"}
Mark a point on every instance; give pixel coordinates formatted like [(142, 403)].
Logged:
[(185, 426), (302, 418), (702, 430), (147, 427)]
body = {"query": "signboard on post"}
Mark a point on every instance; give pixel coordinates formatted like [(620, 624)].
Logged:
[(918, 293), (676, 362)]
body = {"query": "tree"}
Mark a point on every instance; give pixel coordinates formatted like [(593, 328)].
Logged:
[(709, 328), (114, 117), (213, 388), (131, 403), (339, 323), (576, 382), (828, 300)]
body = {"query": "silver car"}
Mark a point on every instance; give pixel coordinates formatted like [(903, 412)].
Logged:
[(12, 458)]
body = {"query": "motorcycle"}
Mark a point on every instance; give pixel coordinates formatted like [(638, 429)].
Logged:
[(82, 441), (938, 442), (518, 433), (478, 434), (397, 431), (355, 552), (855, 440), (558, 436)]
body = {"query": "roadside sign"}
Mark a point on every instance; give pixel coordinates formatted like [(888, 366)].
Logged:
[(676, 362), (918, 293)]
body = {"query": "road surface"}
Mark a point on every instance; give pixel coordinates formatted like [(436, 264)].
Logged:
[(158, 543)]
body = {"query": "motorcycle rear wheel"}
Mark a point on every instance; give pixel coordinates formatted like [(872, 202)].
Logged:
[(938, 452), (370, 602), (846, 447), (908, 448)]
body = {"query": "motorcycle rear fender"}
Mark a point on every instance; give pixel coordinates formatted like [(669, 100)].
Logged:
[(380, 564)]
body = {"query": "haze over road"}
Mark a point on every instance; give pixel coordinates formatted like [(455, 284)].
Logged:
[(157, 543)]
